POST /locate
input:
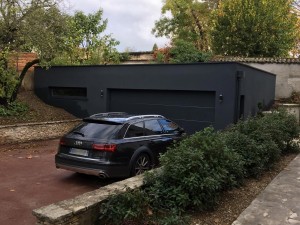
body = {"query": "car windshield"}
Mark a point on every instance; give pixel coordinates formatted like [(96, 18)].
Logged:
[(96, 130)]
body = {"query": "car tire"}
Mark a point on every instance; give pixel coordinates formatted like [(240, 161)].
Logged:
[(141, 164)]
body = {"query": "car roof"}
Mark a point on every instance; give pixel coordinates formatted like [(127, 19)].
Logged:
[(119, 117)]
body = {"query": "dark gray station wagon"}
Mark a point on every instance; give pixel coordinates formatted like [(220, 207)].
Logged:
[(116, 144)]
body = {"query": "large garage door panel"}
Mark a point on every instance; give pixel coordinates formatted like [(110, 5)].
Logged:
[(193, 110), (182, 98), (206, 114)]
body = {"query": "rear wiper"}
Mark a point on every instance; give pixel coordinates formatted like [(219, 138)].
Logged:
[(77, 132)]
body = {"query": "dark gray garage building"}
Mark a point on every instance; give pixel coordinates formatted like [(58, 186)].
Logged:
[(193, 95)]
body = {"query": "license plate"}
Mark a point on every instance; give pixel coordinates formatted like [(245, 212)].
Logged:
[(76, 151)]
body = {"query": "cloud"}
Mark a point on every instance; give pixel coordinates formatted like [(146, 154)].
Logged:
[(129, 21)]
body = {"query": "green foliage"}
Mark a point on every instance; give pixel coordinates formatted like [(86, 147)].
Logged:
[(85, 43), (13, 109), (190, 21), (134, 207), (132, 204), (155, 47), (260, 141), (194, 172), (32, 25), (56, 37), (257, 155), (8, 78), (283, 128), (186, 52), (252, 28)]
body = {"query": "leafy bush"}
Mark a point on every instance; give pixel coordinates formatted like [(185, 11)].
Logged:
[(253, 141), (186, 52), (198, 168), (194, 172), (13, 109), (132, 204), (133, 207), (257, 155), (283, 128)]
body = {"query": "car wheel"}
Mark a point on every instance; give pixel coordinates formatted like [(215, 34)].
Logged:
[(141, 164)]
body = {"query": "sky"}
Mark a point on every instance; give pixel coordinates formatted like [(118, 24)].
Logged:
[(129, 21)]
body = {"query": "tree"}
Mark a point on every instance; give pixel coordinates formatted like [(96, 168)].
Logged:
[(25, 26), (40, 26), (296, 9), (155, 47), (181, 51), (8, 78), (190, 21), (185, 52), (263, 28), (86, 43), (14, 15)]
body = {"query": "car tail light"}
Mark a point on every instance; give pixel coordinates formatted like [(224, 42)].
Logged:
[(105, 147), (62, 141)]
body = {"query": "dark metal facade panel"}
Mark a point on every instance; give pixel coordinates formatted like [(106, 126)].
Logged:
[(219, 78)]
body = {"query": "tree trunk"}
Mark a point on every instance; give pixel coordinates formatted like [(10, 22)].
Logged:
[(4, 102), (21, 77)]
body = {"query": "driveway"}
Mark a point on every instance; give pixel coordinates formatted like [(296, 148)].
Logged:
[(29, 180)]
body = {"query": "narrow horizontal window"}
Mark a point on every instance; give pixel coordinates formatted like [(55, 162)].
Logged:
[(68, 92)]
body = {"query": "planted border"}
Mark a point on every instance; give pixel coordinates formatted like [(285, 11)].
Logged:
[(196, 170)]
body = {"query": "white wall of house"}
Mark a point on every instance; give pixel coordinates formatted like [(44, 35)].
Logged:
[(287, 77)]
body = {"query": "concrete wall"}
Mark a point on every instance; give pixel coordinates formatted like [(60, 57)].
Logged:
[(287, 77)]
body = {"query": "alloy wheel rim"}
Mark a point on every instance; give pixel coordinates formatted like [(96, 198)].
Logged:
[(142, 165)]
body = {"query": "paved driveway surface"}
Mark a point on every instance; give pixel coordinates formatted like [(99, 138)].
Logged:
[(29, 180)]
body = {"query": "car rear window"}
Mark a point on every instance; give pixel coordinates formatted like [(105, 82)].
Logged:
[(97, 130)]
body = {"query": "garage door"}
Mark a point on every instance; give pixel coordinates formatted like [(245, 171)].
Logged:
[(193, 110)]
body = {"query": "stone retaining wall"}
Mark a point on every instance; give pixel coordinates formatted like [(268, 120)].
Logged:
[(35, 131), (84, 209)]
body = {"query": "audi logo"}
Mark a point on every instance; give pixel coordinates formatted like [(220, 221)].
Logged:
[(78, 143)]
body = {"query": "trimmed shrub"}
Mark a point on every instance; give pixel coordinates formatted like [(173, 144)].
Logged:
[(194, 172), (121, 208), (283, 129), (254, 142), (257, 154)]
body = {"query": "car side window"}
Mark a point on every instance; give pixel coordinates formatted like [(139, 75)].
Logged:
[(169, 126), (135, 130), (152, 127)]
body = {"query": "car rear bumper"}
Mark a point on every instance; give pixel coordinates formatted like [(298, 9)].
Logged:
[(91, 166)]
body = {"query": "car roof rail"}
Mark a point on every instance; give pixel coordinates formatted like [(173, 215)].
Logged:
[(144, 116), (108, 114)]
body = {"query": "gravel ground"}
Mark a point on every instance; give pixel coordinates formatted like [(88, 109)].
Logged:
[(39, 123), (38, 111), (231, 204)]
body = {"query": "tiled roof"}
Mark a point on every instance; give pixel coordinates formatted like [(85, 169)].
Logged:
[(256, 60)]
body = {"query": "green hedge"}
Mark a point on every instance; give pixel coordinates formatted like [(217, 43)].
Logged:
[(196, 170)]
